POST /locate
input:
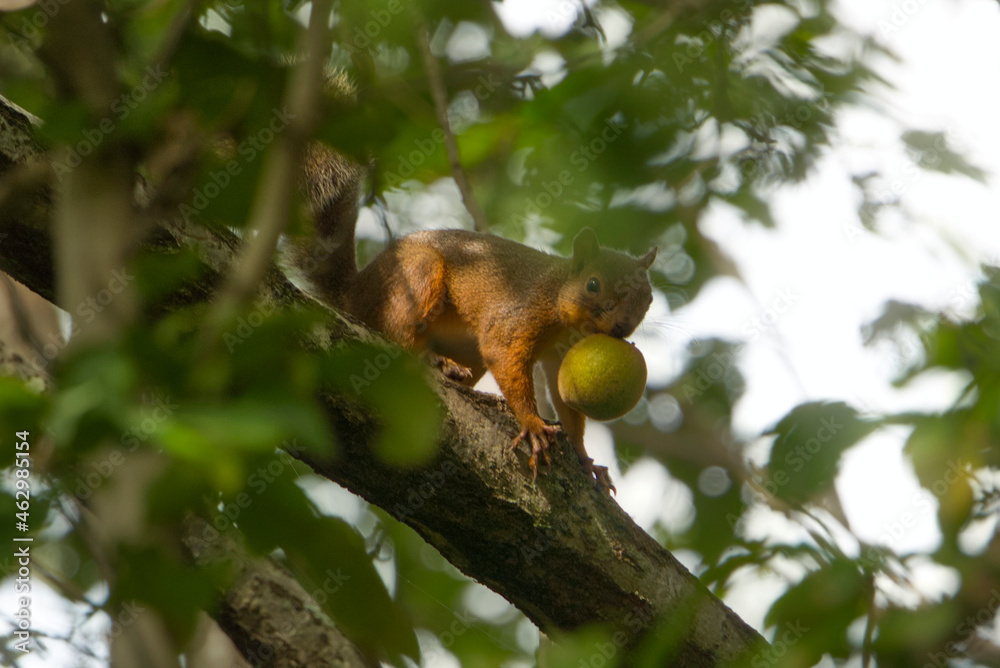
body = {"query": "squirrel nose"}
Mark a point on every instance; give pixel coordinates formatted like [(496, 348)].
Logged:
[(620, 330)]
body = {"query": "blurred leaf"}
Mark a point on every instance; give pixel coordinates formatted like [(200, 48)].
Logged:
[(153, 577), (813, 616), (709, 534), (330, 560), (250, 425), (21, 410), (395, 385), (910, 637), (161, 275), (589, 646), (95, 391), (806, 453), (930, 150)]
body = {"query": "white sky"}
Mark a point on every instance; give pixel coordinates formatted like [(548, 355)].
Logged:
[(839, 275), (838, 279)]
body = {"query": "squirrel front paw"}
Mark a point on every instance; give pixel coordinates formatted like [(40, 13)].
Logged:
[(539, 435)]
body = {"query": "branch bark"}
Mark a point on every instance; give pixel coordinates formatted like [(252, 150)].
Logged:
[(267, 614), (562, 552)]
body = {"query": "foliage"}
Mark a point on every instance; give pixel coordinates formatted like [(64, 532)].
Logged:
[(635, 136)]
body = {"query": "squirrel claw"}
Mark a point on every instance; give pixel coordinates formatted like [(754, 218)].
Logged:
[(601, 476), (539, 436), (453, 370)]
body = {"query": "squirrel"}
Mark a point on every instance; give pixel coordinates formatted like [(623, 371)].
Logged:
[(476, 302)]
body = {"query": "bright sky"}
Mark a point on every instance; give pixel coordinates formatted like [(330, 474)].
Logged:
[(837, 276), (834, 275)]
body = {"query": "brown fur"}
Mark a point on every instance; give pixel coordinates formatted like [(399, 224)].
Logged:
[(489, 303), (476, 301)]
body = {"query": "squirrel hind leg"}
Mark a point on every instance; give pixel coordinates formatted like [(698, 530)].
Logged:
[(573, 423), (415, 293)]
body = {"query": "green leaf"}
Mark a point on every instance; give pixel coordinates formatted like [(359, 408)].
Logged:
[(812, 617), (920, 637), (395, 385), (930, 150), (94, 396), (21, 409), (329, 558), (806, 453), (588, 646), (179, 591), (251, 425)]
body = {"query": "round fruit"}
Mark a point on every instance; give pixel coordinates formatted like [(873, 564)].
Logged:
[(602, 377)]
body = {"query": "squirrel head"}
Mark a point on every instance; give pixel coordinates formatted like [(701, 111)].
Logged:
[(606, 292)]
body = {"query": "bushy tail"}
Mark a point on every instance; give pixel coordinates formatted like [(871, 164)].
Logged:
[(324, 263), (332, 184)]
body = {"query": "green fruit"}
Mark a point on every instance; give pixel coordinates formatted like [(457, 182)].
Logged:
[(602, 377)]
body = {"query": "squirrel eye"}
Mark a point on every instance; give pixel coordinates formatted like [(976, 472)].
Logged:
[(593, 285)]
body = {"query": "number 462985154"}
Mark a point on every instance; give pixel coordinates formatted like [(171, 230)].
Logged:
[(21, 485)]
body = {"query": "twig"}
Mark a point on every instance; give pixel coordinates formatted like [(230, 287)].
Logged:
[(440, 95)]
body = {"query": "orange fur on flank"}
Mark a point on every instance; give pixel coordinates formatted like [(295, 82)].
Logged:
[(481, 302)]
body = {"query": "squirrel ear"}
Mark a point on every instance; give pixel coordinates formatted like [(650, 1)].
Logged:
[(647, 259), (585, 247)]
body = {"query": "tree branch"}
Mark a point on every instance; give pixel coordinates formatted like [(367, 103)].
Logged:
[(267, 614), (562, 552)]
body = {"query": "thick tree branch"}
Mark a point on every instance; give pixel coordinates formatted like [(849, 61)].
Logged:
[(268, 615), (562, 552)]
